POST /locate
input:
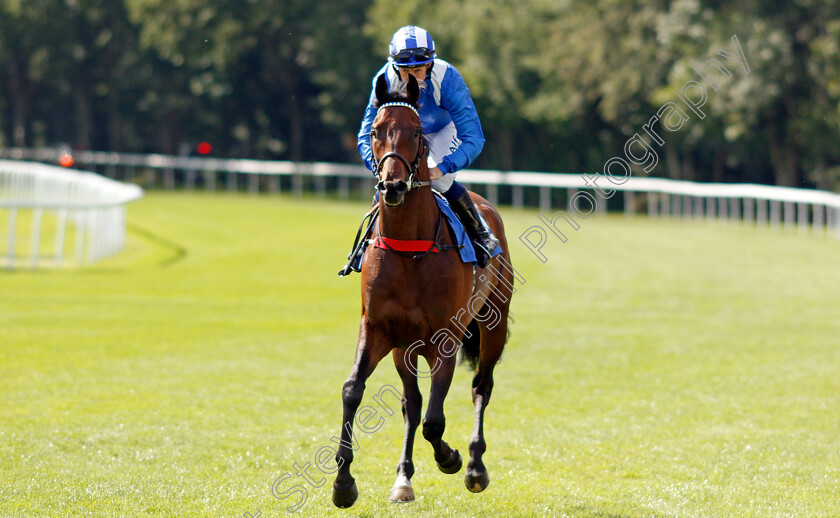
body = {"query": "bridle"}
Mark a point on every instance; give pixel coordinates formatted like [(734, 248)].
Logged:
[(413, 182), (406, 248)]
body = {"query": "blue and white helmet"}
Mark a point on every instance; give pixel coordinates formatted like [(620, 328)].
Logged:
[(411, 46)]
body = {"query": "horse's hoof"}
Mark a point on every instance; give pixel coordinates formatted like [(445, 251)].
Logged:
[(345, 497), (476, 481), (401, 494), (453, 464)]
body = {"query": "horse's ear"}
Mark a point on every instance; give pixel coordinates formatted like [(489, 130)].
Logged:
[(381, 89), (413, 90)]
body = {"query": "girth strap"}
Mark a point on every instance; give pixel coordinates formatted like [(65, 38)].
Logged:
[(414, 249)]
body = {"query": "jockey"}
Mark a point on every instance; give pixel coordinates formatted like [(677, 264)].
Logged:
[(448, 118)]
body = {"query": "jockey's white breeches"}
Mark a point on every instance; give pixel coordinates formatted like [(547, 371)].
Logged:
[(442, 143)]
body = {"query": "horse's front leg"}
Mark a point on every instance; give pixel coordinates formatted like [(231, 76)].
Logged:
[(368, 354), (448, 459), (402, 490)]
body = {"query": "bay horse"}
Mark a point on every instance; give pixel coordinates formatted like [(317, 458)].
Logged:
[(409, 299)]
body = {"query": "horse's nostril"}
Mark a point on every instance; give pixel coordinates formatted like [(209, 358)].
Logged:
[(396, 186)]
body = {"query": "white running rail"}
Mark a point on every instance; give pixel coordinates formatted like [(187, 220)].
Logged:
[(805, 209), (751, 203), (92, 204)]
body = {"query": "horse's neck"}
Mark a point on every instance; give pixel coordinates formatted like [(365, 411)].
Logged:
[(416, 219)]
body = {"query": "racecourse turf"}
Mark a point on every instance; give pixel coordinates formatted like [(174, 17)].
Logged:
[(655, 368)]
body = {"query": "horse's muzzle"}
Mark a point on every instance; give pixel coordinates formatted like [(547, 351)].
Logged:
[(394, 192)]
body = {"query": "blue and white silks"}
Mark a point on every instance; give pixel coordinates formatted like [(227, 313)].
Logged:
[(444, 98)]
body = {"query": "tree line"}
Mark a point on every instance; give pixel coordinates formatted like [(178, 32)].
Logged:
[(560, 86)]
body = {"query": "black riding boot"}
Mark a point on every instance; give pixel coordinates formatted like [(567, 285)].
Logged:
[(485, 241), (354, 263)]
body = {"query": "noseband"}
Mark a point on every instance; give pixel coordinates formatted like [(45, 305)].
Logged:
[(413, 182)]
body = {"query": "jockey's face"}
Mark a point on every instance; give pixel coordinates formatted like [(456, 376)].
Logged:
[(419, 73)]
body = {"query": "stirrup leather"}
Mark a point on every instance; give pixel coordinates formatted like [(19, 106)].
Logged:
[(354, 259)]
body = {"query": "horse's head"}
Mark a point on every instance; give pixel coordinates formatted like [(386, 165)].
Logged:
[(396, 139)]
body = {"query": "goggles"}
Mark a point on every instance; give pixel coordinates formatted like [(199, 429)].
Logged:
[(412, 57)]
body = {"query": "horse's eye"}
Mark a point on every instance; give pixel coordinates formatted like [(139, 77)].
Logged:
[(417, 134), (372, 134)]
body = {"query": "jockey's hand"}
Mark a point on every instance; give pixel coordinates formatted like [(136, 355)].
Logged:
[(435, 173)]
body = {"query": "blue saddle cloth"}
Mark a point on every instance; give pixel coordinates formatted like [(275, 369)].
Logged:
[(457, 231)]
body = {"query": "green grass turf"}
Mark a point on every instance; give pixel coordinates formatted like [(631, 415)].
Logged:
[(655, 368)]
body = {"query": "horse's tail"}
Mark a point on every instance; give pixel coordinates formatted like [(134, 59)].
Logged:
[(471, 344)]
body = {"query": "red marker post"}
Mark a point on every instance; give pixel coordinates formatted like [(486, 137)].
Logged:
[(66, 160)]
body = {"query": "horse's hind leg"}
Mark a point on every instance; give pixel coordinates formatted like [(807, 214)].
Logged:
[(448, 459), (402, 490), (492, 342)]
